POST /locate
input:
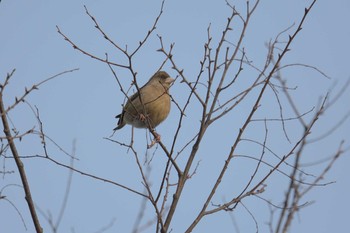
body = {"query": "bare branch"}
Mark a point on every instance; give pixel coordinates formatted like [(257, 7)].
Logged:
[(20, 166)]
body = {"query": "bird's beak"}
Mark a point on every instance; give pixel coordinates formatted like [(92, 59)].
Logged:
[(169, 80)]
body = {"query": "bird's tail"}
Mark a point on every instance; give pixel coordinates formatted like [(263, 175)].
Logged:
[(120, 123)]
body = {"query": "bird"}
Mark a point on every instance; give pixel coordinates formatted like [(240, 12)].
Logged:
[(150, 106)]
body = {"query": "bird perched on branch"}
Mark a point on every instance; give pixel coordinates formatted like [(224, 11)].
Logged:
[(150, 106)]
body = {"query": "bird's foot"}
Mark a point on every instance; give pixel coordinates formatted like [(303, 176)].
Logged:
[(142, 117), (155, 140)]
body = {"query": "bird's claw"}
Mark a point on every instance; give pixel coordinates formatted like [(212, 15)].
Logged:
[(154, 141)]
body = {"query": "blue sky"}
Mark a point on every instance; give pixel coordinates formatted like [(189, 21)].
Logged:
[(80, 106)]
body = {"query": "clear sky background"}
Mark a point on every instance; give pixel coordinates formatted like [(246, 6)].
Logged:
[(81, 106)]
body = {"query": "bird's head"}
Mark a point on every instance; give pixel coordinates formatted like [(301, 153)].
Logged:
[(163, 78)]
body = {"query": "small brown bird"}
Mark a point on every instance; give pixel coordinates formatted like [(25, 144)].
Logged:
[(153, 106)]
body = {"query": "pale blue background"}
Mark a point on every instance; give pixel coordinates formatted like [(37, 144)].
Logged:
[(82, 106)]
